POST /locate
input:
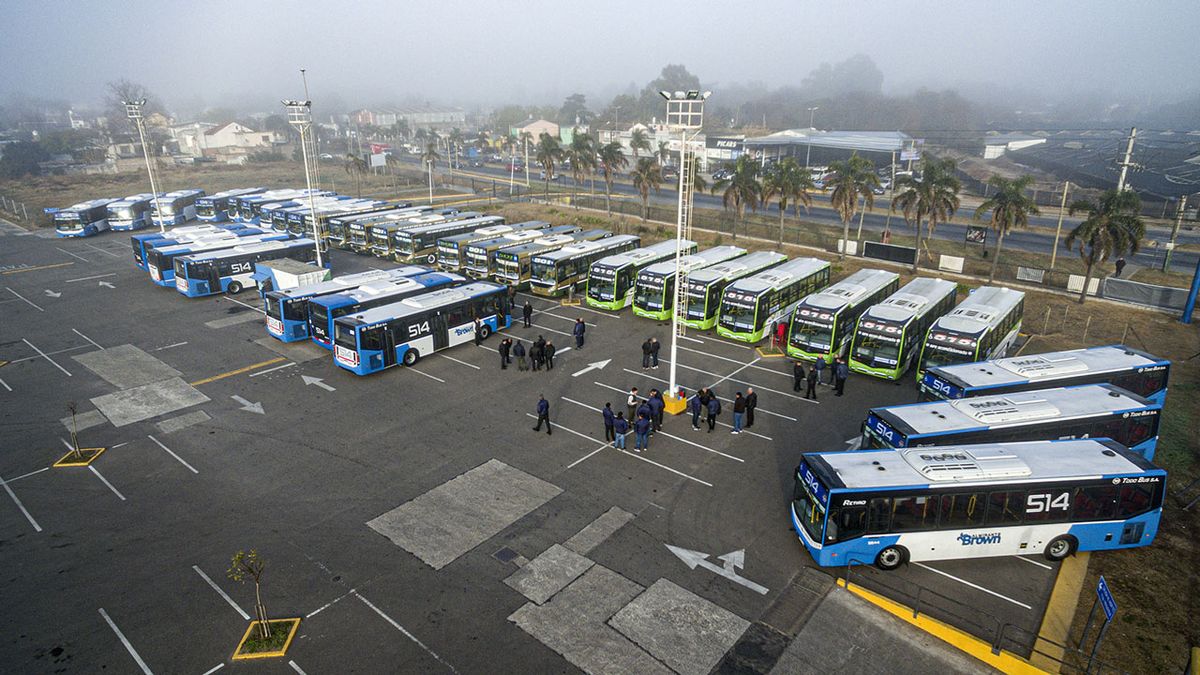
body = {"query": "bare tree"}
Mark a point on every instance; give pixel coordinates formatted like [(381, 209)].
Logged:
[(245, 566), (123, 90)]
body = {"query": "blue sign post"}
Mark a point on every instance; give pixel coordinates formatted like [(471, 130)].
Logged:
[(1106, 599)]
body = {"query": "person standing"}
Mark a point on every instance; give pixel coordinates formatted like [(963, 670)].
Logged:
[(518, 351), (657, 405), (694, 407), (813, 378), (609, 421), (504, 347), (739, 412), (751, 404), (527, 314), (538, 353), (781, 331), (549, 349), (1120, 265), (578, 331), (646, 349), (798, 375), (654, 347), (631, 404), (819, 366), (714, 409), (478, 332), (841, 372), (543, 412), (641, 431), (620, 428), (644, 410)]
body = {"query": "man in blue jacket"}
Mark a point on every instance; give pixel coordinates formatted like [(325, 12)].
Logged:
[(694, 407), (714, 409), (543, 412), (578, 332), (609, 421), (657, 405), (841, 372), (641, 431), (620, 428)]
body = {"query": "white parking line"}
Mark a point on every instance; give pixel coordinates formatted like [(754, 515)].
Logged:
[(5, 385), (43, 355), (329, 604), (572, 465), (105, 481), (177, 344), (260, 311), (750, 384), (407, 634), (214, 669), (271, 370), (1034, 562), (13, 495), (79, 257), (296, 668), (547, 312), (681, 440), (975, 586), (27, 475), (723, 424), (222, 593), (98, 276), (25, 299), (726, 358), (427, 375), (125, 641), (723, 398), (551, 330), (88, 339), (104, 251), (57, 351), (469, 365), (573, 307), (177, 457)]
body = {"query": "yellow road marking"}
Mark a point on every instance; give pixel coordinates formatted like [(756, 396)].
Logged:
[(239, 371), (39, 267)]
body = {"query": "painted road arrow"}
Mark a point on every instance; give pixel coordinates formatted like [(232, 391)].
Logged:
[(53, 294), (317, 381), (105, 283), (593, 366), (732, 560), (248, 406)]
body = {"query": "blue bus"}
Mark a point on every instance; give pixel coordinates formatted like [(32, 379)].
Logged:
[(1130, 369), (142, 243), (249, 207), (1083, 411), (230, 270), (160, 259), (299, 223), (404, 331), (84, 219), (324, 310), (890, 507), (287, 310), (175, 208), (215, 208), (130, 213)]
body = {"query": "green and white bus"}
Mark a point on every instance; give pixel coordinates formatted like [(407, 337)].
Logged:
[(419, 244), (823, 323), (611, 280), (654, 290), (889, 335), (513, 265), (706, 287), (451, 251), (749, 306), (378, 237), (481, 255), (561, 271), (339, 228), (982, 327)]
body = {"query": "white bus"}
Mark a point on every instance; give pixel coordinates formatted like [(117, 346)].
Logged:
[(888, 336), (175, 208), (984, 326), (706, 287), (563, 270), (750, 305), (83, 219), (611, 280), (654, 289), (130, 213)]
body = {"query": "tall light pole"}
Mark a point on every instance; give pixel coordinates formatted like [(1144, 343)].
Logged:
[(685, 113), (133, 109), (300, 116), (812, 116), (316, 164)]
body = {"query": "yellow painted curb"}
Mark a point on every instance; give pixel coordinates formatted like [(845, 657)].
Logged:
[(767, 355), (3, 363), (69, 459), (1060, 611), (1004, 661), (238, 656), (38, 267), (239, 371)]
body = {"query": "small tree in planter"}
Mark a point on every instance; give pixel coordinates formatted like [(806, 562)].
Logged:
[(272, 636), (245, 566), (77, 456), (74, 431)]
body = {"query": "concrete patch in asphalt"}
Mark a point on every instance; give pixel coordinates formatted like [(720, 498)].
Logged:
[(300, 352), (548, 573), (678, 627), (149, 400), (182, 421), (456, 516), (241, 317), (598, 530), (85, 420), (126, 366)]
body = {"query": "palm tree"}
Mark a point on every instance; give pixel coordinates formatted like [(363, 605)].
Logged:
[(430, 157), (639, 140), (698, 182), (526, 139), (664, 152), (355, 166), (549, 153), (646, 174), (852, 179), (453, 144), (483, 140), (1112, 227), (787, 181), (742, 189), (582, 155), (421, 135), (1010, 208), (934, 198), (400, 128), (612, 160)]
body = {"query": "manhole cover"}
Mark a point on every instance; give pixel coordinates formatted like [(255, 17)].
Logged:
[(505, 555)]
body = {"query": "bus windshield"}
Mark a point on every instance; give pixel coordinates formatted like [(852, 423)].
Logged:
[(293, 309), (345, 337), (543, 271), (649, 292), (69, 223), (871, 346), (697, 302), (602, 284), (806, 501), (738, 315), (273, 305), (810, 334), (936, 355)]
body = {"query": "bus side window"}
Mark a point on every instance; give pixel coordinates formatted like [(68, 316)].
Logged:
[(879, 512), (963, 510), (1135, 499), (1005, 508), (847, 522), (914, 513), (1095, 503)]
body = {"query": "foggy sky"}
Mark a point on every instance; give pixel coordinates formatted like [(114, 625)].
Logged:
[(247, 53)]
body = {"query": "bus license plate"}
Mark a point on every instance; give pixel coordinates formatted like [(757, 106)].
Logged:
[(346, 356), (275, 326), (154, 274)]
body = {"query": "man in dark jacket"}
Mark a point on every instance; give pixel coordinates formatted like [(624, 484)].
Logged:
[(518, 351), (841, 372), (620, 428), (543, 412), (644, 410), (527, 314), (739, 412), (505, 345), (820, 366), (694, 407), (609, 421), (647, 347), (654, 346), (657, 405), (538, 353), (549, 354), (751, 404), (714, 409), (578, 331), (478, 332), (814, 376), (797, 375), (641, 433)]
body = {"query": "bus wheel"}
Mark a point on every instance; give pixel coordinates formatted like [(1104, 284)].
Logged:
[(484, 331), (891, 557), (411, 357), (1059, 548), (234, 288), (431, 259)]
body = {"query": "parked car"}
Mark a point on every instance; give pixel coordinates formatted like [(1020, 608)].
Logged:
[(670, 173), (514, 166), (722, 174)]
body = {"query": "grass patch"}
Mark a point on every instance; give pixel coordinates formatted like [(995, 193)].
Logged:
[(254, 646)]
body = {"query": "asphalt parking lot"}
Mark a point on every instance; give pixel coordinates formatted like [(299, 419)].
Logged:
[(413, 518)]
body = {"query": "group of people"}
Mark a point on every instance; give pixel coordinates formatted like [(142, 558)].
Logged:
[(540, 353), (650, 354), (839, 372)]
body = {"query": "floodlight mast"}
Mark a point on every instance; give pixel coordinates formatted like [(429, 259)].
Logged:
[(300, 116), (133, 110)]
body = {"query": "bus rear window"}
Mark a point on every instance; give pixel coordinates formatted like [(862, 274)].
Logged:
[(345, 337)]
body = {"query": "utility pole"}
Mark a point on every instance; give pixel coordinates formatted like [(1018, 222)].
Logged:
[(1174, 233), (316, 164), (1062, 210), (1126, 162), (133, 110)]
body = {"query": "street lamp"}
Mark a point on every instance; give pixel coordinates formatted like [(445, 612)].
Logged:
[(133, 109), (812, 113), (685, 113), (300, 116)]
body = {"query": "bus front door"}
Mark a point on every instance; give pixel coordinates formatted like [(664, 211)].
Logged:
[(389, 348), (441, 331)]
